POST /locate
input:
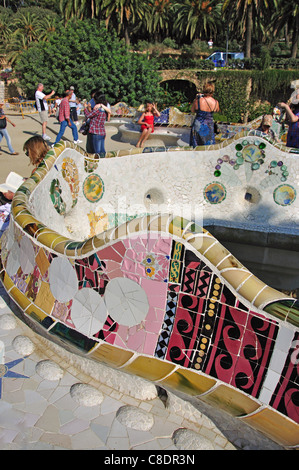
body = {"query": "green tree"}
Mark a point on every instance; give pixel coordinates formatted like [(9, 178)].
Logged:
[(125, 13), (81, 9), (88, 56), (287, 15), (28, 25), (157, 18), (196, 19), (244, 17)]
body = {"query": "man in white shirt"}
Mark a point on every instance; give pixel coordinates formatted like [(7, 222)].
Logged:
[(73, 106), (42, 107)]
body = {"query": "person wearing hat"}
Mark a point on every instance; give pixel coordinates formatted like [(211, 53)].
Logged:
[(73, 106), (265, 127), (3, 130)]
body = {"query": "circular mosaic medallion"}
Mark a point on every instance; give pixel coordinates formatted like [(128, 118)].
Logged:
[(93, 188), (251, 153), (126, 301), (88, 311), (55, 195), (284, 195), (62, 279), (214, 193)]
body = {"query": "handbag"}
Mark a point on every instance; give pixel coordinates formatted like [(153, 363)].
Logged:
[(3, 123), (84, 128)]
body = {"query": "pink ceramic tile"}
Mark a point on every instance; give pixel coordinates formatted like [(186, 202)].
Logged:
[(133, 277), (111, 266), (131, 254), (109, 253), (150, 344), (121, 336), (136, 245), (154, 319), (163, 246), (140, 270), (156, 292), (120, 248), (136, 339), (128, 266)]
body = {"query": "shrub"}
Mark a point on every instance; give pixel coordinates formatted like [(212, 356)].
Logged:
[(88, 57)]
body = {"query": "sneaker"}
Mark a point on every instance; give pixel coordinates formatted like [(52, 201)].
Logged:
[(46, 137), (78, 141)]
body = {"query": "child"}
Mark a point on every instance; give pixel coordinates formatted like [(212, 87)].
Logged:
[(147, 122)]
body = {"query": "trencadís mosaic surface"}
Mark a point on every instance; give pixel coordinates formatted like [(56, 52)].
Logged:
[(154, 294)]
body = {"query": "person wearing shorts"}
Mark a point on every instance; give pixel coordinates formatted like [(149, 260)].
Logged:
[(42, 108)]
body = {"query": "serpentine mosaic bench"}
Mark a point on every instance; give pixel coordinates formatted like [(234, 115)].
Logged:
[(101, 259)]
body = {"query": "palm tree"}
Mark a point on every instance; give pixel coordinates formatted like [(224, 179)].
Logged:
[(287, 16), (245, 15), (47, 27), (157, 18), (27, 25), (78, 8), (196, 18), (16, 47), (126, 13)]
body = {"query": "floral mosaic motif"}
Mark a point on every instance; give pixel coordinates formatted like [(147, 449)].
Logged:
[(55, 195), (93, 188), (91, 163), (214, 193), (284, 195), (156, 266), (278, 168), (98, 221), (254, 155), (70, 173)]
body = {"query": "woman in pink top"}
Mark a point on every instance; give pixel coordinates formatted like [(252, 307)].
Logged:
[(147, 122)]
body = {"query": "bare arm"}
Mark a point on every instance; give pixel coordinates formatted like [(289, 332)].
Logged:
[(291, 116), (156, 112), (194, 106), (140, 121), (47, 97)]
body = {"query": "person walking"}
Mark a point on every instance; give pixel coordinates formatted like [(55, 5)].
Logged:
[(3, 129), (65, 119), (42, 107)]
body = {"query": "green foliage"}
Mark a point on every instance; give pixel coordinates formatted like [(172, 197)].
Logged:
[(183, 62), (248, 94), (88, 57), (168, 42), (230, 91)]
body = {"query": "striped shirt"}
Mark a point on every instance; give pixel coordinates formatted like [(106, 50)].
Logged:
[(97, 121)]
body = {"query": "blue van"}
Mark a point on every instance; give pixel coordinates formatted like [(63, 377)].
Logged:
[(220, 58)]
